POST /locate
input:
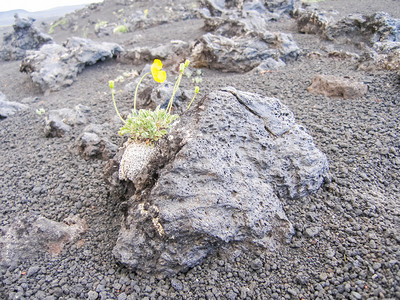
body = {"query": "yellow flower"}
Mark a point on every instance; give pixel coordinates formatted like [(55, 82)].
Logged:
[(156, 71)]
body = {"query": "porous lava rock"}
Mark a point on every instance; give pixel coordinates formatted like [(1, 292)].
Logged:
[(242, 54), (25, 36), (55, 66), (217, 178), (94, 144)]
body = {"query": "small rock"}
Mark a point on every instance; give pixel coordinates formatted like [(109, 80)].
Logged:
[(256, 264), (312, 231), (92, 295), (333, 86), (176, 284), (32, 271)]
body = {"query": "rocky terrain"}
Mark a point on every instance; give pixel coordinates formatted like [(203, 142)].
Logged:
[(327, 70)]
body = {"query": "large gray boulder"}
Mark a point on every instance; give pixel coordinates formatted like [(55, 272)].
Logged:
[(242, 54), (25, 36), (55, 66), (219, 177)]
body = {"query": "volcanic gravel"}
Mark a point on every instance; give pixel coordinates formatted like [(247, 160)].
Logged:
[(347, 235)]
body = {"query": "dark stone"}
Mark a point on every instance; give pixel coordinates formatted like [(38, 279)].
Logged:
[(24, 37), (217, 180), (93, 143)]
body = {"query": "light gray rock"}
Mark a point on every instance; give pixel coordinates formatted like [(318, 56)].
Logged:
[(218, 178), (55, 66), (9, 108), (253, 15), (242, 54), (61, 121), (25, 36), (26, 238), (333, 86)]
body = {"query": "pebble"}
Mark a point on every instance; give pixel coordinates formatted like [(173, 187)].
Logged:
[(312, 231), (92, 295), (176, 284), (32, 271)]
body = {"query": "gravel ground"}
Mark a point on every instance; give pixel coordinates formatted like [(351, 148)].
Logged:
[(347, 241)]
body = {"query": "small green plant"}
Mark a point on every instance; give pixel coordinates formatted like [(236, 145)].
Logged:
[(63, 21), (121, 29), (146, 125), (100, 25), (40, 111)]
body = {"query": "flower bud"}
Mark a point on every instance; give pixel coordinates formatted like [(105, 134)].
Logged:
[(187, 62), (196, 89), (111, 83)]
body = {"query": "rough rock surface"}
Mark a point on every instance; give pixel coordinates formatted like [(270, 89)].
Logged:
[(253, 15), (60, 121), (55, 66), (8, 108), (333, 86), (24, 37), (93, 143), (221, 184), (242, 54), (30, 237)]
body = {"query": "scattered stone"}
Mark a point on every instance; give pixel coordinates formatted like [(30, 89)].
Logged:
[(9, 108), (333, 86), (25, 36), (312, 22), (55, 66), (183, 211), (256, 264), (170, 53), (313, 231), (33, 270), (92, 143), (61, 121), (244, 15), (25, 238), (176, 284), (215, 52)]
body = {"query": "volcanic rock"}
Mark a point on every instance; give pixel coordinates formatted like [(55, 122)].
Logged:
[(333, 86), (24, 37), (61, 121), (55, 66), (8, 108), (242, 54), (28, 237), (216, 181)]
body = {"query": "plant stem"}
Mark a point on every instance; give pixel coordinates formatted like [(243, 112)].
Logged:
[(192, 100), (115, 106), (177, 83), (136, 90)]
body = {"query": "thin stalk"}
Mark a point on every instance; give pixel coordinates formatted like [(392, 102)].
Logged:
[(192, 100), (115, 105), (177, 83), (137, 88)]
